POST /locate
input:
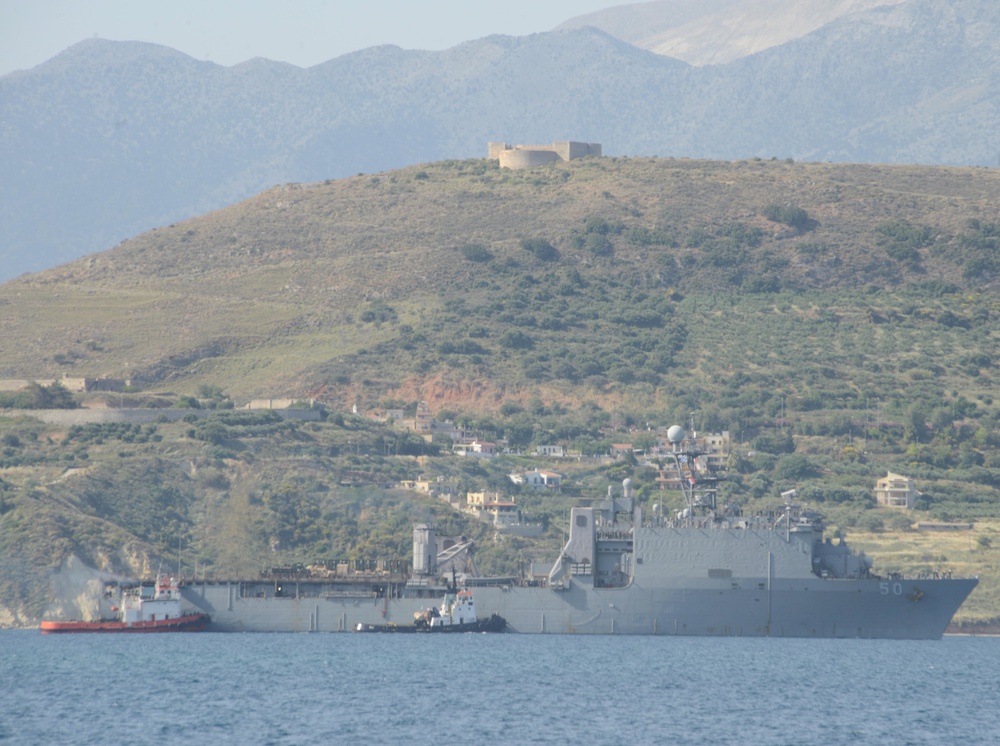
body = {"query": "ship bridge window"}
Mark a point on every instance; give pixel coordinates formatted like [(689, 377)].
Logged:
[(581, 521)]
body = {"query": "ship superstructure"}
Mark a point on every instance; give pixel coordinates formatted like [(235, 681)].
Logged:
[(140, 609)]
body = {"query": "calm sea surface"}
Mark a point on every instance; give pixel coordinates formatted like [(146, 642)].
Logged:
[(479, 689)]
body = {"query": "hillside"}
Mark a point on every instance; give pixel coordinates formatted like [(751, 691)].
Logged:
[(109, 139), (640, 255), (839, 321), (298, 291)]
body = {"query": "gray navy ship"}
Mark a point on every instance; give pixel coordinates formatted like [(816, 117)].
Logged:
[(705, 570)]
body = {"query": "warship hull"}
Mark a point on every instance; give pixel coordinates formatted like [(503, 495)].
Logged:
[(921, 609), (706, 571)]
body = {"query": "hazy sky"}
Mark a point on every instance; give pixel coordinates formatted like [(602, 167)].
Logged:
[(303, 32)]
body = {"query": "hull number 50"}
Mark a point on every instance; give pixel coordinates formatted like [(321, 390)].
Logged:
[(896, 589)]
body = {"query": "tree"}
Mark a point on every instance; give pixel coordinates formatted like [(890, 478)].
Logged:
[(915, 425), (541, 248), (476, 252), (516, 340), (793, 467), (598, 244), (774, 443), (790, 215)]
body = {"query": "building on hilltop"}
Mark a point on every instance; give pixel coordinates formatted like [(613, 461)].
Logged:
[(621, 450), (538, 480), (479, 448), (502, 513), (896, 491), (529, 156), (423, 420), (550, 451), (436, 487)]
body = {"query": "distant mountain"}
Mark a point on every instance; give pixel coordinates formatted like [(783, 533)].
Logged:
[(112, 138), (708, 32)]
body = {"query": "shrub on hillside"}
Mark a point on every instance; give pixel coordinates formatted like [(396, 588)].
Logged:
[(36, 396), (476, 252), (516, 340), (775, 443), (541, 248), (790, 215)]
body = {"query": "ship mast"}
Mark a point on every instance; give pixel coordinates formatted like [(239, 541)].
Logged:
[(699, 488)]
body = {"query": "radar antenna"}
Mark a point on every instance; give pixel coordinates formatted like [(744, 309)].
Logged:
[(698, 485)]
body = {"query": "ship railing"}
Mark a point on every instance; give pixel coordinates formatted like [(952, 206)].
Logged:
[(925, 575), (349, 594), (753, 523)]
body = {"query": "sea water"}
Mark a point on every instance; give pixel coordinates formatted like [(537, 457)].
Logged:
[(459, 690)]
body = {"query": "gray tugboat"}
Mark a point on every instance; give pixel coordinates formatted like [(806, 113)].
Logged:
[(457, 613), (705, 570)]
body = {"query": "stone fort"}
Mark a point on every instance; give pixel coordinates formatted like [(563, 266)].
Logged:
[(528, 156)]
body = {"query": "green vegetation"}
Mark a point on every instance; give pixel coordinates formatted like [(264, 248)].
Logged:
[(476, 252), (790, 215), (584, 302), (36, 396), (540, 248)]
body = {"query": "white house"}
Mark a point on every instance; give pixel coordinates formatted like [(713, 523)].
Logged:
[(550, 451), (538, 480), (482, 449), (896, 491)]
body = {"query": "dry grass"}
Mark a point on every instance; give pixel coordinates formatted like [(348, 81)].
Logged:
[(293, 266)]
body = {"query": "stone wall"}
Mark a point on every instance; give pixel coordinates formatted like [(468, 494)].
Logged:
[(74, 384), (69, 417), (529, 156)]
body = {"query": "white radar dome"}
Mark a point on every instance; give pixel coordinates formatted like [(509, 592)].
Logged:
[(675, 434)]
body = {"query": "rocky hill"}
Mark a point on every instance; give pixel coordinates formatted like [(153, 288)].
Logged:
[(563, 276)]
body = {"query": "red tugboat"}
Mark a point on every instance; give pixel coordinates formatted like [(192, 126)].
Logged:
[(160, 612)]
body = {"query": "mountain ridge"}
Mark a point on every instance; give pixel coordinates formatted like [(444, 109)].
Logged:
[(102, 150), (706, 33)]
